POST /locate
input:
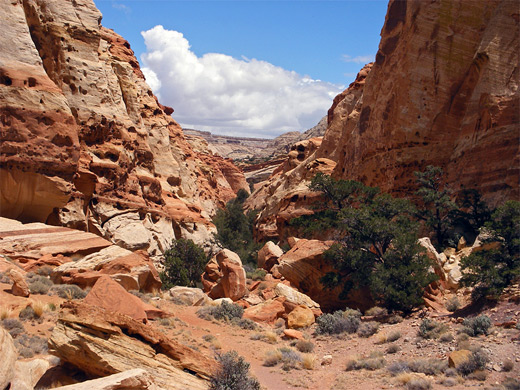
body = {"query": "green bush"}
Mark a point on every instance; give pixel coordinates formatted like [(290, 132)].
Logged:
[(429, 329), (490, 271), (477, 361), (257, 274), (38, 284), (69, 291), (184, 263), (304, 346), (367, 329), (476, 325), (225, 311), (452, 304), (233, 374), (337, 323)]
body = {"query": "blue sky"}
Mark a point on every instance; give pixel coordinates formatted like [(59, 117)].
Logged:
[(256, 68)]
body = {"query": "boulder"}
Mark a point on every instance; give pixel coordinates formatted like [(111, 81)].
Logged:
[(9, 356), (134, 271), (136, 379), (293, 334), (27, 373), (103, 343), (294, 296), (268, 311), (268, 255), (109, 295), (300, 317), (20, 287), (190, 296), (224, 276), (456, 358)]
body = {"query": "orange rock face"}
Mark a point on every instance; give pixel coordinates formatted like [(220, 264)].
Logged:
[(83, 140)]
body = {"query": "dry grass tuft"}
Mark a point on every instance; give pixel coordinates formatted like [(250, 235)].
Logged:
[(5, 312), (308, 361), (39, 308)]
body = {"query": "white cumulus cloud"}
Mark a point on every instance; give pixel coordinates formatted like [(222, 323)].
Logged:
[(222, 94)]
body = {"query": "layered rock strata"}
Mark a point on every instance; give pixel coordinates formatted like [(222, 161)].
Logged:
[(85, 144), (103, 343)]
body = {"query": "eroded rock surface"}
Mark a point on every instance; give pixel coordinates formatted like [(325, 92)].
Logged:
[(224, 276), (103, 343), (84, 142)]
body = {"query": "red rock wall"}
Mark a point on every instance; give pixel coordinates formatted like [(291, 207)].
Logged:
[(443, 91), (84, 142)]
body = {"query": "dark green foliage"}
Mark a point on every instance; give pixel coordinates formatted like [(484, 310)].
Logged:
[(184, 263), (235, 229), (437, 209), (233, 374), (477, 325), (472, 213), (337, 323), (492, 270), (380, 251)]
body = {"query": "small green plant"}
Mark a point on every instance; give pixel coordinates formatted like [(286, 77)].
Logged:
[(28, 313), (184, 262), (367, 329), (38, 284), (446, 337), (69, 291), (374, 362), (289, 358), (476, 325), (337, 323), (258, 274), (430, 329), (244, 323), (224, 312), (46, 270), (233, 374), (304, 346), (452, 304)]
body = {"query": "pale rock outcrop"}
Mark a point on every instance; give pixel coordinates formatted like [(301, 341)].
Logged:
[(294, 296), (27, 373), (224, 276), (103, 343), (268, 255), (189, 296), (20, 287), (134, 271), (82, 135), (136, 379), (9, 356), (300, 317), (111, 296)]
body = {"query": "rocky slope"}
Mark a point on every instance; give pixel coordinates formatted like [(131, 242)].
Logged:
[(85, 144), (442, 91)]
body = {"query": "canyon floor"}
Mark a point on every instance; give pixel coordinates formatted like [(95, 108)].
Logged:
[(211, 337)]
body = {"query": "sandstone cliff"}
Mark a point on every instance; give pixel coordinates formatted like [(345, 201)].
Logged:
[(84, 142), (442, 91)]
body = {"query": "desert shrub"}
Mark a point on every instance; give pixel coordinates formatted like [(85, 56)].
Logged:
[(337, 323), (376, 311), (304, 346), (258, 274), (371, 363), (477, 361), (428, 366), (395, 319), (46, 270), (143, 297), (13, 326), (223, 312), (244, 323), (478, 375), (393, 336), (28, 346), (452, 304), (38, 284), (429, 329), (419, 384), (233, 374), (5, 312), (273, 358), (308, 361), (446, 337), (398, 367), (69, 291), (367, 329), (476, 325), (289, 358), (184, 262), (508, 365), (392, 348), (28, 313), (451, 372), (448, 382), (268, 337)]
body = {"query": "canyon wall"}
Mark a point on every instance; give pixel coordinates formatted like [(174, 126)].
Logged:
[(85, 144), (443, 91)]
